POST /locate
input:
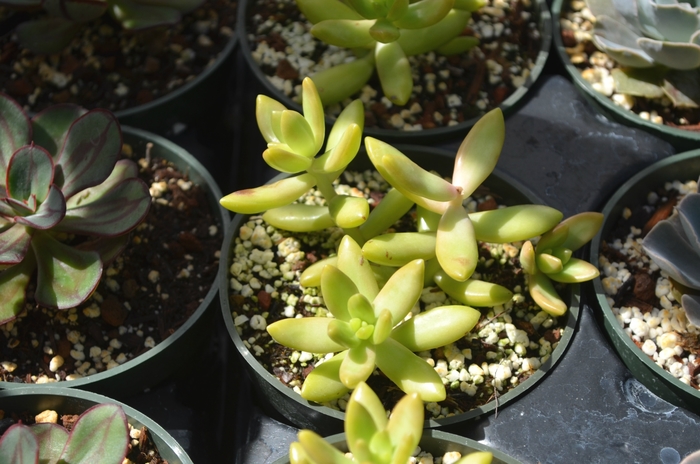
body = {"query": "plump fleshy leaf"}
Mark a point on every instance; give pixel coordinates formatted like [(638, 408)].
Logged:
[(548, 264), (455, 243), (675, 55), (382, 327), (357, 365), (279, 157), (418, 41), (344, 151), (100, 434), (297, 133), (337, 83), (409, 372), (387, 212), (321, 10), (354, 113), (424, 13), (345, 33), (582, 228), (417, 180), (384, 31), (304, 334), (400, 248), (15, 131), (52, 439), (683, 87), (668, 247), (13, 285), (401, 292), (299, 217), (50, 126), (19, 445), (14, 243), (405, 427), (639, 82), (690, 220), (47, 35), (349, 211), (135, 16), (264, 107), (436, 327), (337, 289), (461, 44), (343, 333), (544, 294), (313, 112), (514, 223), (311, 277), (48, 214), (268, 196), (528, 258), (319, 450), (575, 271), (123, 169), (394, 72), (361, 308), (477, 457), (66, 276), (30, 172), (323, 383), (473, 292), (365, 416), (89, 153), (355, 266), (479, 152)]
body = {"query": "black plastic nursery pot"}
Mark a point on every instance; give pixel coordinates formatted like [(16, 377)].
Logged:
[(683, 167), (435, 442), (167, 357), (70, 401), (681, 139), (508, 105), (277, 398)]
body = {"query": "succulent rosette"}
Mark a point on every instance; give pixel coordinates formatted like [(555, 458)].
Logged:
[(66, 203), (65, 18)]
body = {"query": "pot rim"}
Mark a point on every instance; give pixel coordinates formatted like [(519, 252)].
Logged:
[(196, 168), (508, 106), (573, 313)]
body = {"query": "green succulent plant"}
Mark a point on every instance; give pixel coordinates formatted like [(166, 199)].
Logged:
[(383, 34), (372, 437), (101, 434), (66, 203), (657, 43), (674, 245), (369, 329), (65, 18)]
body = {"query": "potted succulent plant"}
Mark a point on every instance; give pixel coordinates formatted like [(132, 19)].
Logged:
[(383, 53), (639, 64), (370, 280), (647, 295), (76, 225), (93, 428), (147, 61), (373, 438)]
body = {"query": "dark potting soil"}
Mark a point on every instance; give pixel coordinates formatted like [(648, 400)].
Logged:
[(150, 289), (107, 67), (462, 87)]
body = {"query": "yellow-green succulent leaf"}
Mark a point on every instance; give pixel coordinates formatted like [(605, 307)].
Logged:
[(408, 371), (564, 254), (313, 112), (337, 288), (338, 157), (455, 242), (514, 223), (304, 334), (477, 457), (355, 266), (345, 33), (549, 264), (354, 113), (403, 451), (436, 327), (426, 220), (321, 10), (361, 425), (418, 41), (397, 10), (582, 228), (297, 455), (264, 107), (401, 292), (382, 328), (259, 199), (417, 180), (380, 447), (349, 212), (371, 9), (479, 152), (298, 217), (461, 44), (311, 276), (394, 72), (424, 13), (358, 365), (469, 5), (337, 83), (553, 238), (297, 134), (285, 160), (528, 259), (361, 308), (576, 271), (400, 248), (319, 450), (384, 31), (473, 292), (383, 273), (323, 383), (342, 333), (543, 292), (389, 210), (364, 397), (432, 267), (405, 426)]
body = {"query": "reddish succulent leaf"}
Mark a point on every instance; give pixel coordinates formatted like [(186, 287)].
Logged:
[(50, 126), (15, 131), (19, 446), (30, 172), (100, 434), (19, 207), (49, 213), (116, 212), (14, 243), (66, 276), (52, 439), (124, 169), (13, 284), (89, 153), (47, 35)]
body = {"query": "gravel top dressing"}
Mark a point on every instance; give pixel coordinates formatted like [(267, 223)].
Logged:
[(509, 343)]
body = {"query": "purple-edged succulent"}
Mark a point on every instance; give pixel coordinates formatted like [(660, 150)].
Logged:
[(66, 203), (65, 18), (674, 245), (101, 434)]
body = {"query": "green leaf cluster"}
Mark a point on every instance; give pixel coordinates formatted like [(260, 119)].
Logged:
[(101, 434), (65, 18), (60, 177)]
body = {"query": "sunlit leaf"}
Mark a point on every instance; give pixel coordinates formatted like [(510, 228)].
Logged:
[(473, 292), (409, 372), (436, 327), (308, 334), (298, 217)]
